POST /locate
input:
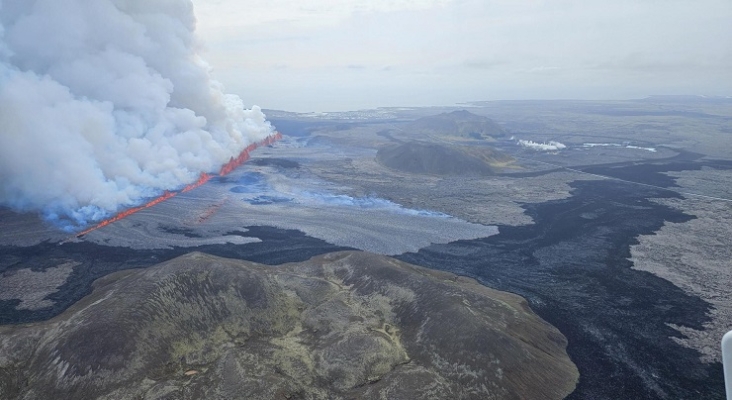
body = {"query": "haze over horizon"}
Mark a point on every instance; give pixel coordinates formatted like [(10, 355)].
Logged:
[(326, 55)]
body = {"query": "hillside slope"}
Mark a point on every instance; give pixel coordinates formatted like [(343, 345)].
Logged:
[(342, 325), (463, 124), (442, 159)]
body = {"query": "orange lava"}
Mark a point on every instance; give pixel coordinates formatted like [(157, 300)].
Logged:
[(208, 213), (201, 180), (233, 164)]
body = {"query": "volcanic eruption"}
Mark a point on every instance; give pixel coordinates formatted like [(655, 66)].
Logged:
[(225, 170), (106, 103)]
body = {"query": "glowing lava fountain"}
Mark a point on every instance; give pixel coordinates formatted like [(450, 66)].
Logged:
[(230, 166)]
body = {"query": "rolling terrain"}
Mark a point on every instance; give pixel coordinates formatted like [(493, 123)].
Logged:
[(343, 325), (619, 237)]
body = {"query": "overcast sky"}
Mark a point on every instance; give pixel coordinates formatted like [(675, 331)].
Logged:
[(329, 55)]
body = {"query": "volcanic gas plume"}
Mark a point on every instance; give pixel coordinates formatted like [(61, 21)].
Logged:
[(225, 170), (104, 103)]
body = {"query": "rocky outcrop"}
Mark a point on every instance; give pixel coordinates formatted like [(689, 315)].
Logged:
[(342, 325)]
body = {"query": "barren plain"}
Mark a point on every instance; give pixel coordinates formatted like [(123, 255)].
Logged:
[(612, 219)]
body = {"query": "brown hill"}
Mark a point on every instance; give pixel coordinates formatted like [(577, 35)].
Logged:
[(442, 159), (463, 124), (343, 325)]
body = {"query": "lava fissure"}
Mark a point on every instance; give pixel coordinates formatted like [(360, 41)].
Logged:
[(230, 166)]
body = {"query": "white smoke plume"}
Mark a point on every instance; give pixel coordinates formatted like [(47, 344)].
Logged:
[(106, 102), (551, 146)]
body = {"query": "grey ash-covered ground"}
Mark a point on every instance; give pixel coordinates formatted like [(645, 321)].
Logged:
[(629, 273), (569, 227)]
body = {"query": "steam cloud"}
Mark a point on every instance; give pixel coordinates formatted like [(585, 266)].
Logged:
[(106, 102), (551, 146)]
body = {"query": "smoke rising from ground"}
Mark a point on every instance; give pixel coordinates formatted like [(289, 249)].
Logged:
[(551, 146), (106, 102)]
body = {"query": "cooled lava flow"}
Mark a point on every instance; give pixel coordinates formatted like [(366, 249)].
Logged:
[(233, 164)]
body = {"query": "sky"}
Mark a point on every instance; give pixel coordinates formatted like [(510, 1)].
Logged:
[(337, 55)]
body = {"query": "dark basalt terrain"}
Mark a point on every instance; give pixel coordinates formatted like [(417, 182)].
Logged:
[(441, 159), (342, 325), (93, 261), (573, 267), (632, 274)]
